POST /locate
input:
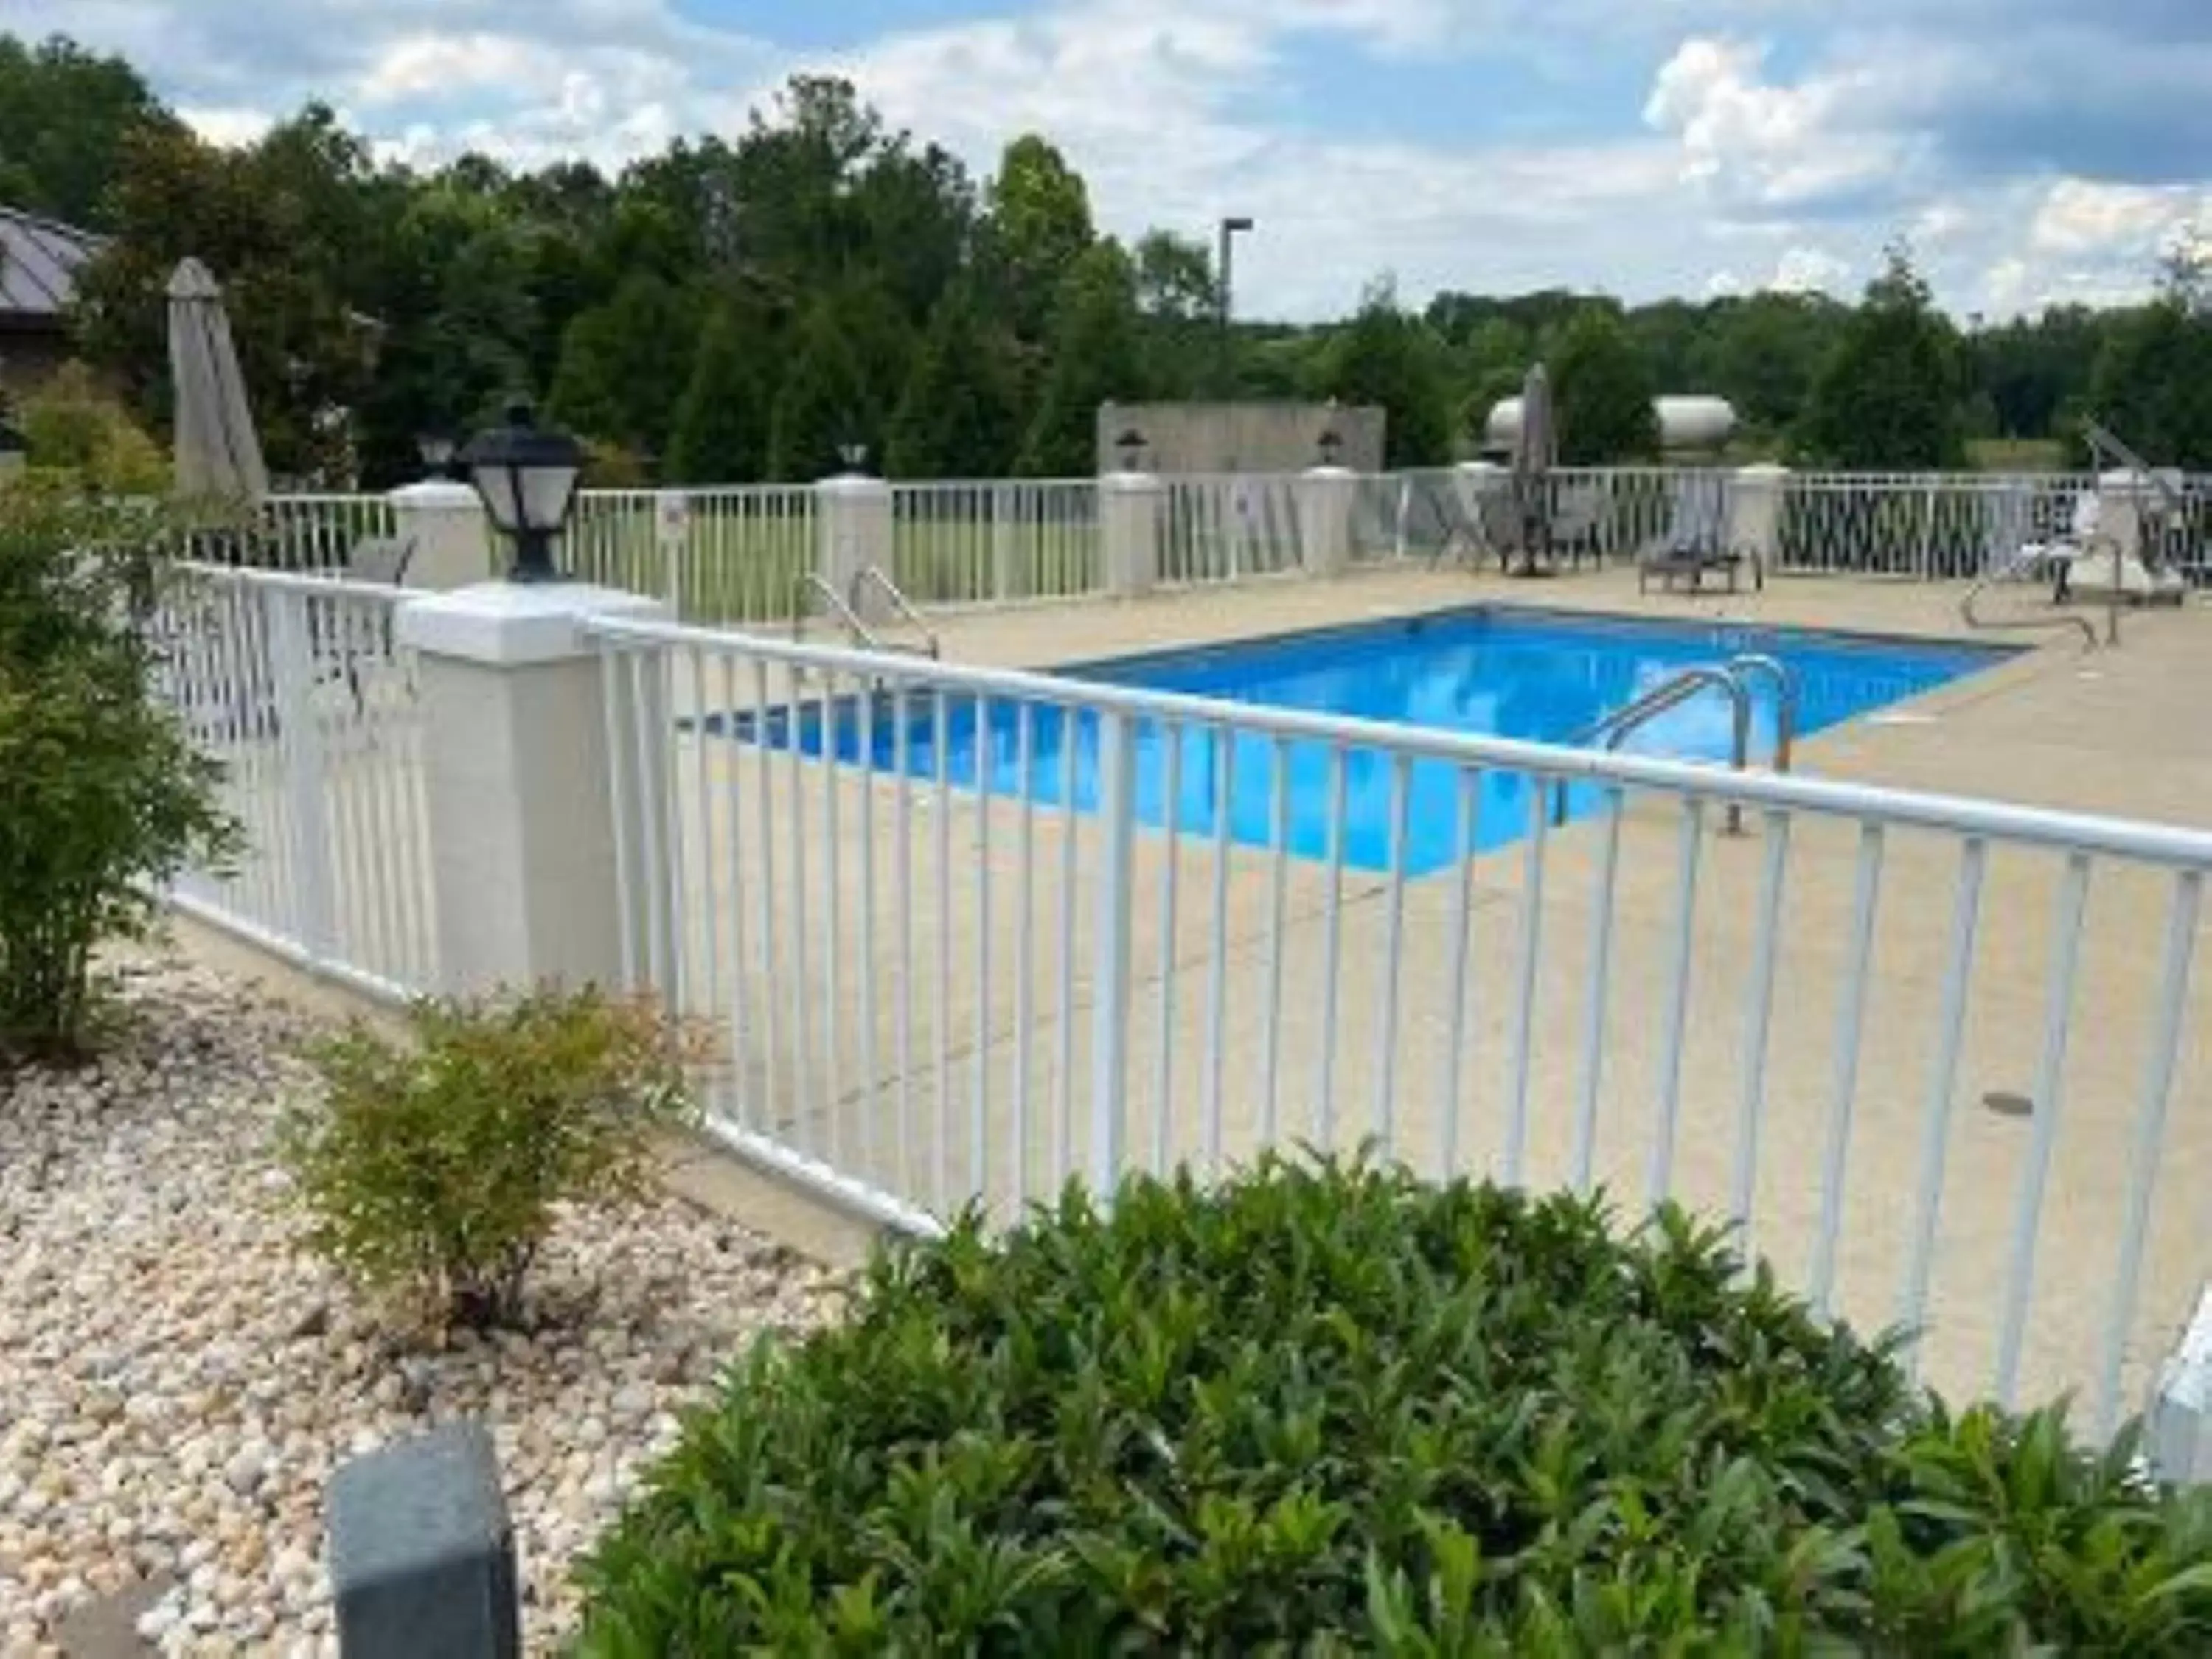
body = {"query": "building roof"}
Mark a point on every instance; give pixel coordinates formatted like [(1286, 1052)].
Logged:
[(39, 262)]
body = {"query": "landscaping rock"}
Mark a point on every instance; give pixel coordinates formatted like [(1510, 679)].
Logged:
[(180, 1380)]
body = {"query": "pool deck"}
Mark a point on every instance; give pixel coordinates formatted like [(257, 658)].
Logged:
[(2124, 732)]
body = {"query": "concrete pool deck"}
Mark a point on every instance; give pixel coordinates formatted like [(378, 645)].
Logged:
[(2122, 732)]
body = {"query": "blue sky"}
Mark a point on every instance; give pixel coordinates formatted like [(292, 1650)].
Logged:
[(2031, 150)]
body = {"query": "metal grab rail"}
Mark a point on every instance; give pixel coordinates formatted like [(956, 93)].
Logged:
[(899, 602), (1674, 689), (1785, 698), (1730, 676), (2004, 572), (814, 582)]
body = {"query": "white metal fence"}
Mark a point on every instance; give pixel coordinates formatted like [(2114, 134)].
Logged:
[(1229, 527), (939, 985), (295, 685), (726, 555), (984, 543), (303, 534), (736, 554)]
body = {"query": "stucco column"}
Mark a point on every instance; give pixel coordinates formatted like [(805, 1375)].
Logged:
[(855, 525), (1131, 510), (1325, 498), (1755, 523), (451, 535), (520, 806)]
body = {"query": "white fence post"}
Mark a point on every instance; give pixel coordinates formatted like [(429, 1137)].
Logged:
[(1115, 897), (855, 533), (452, 538), (1325, 497), (519, 795), (1130, 518), (307, 770), (1755, 511), (672, 533)]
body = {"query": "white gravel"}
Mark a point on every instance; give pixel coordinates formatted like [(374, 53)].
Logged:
[(177, 1382)]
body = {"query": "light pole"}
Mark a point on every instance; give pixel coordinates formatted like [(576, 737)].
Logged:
[(1232, 224)]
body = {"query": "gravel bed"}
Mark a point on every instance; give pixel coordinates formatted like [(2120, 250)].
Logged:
[(177, 1382)]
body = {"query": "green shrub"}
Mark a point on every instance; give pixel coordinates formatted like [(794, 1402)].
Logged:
[(75, 426), (102, 798), (1337, 1411), (429, 1171)]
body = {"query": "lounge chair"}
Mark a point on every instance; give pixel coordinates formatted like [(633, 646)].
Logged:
[(1697, 545)]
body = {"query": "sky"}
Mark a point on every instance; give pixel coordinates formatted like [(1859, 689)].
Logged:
[(2030, 151)]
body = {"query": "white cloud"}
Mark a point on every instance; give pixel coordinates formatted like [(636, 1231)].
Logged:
[(1808, 271)]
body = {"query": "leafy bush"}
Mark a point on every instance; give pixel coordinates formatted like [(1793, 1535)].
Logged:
[(104, 798), (1333, 1411), (74, 426), (430, 1169)]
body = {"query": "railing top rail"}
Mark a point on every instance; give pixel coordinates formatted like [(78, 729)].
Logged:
[(2148, 843), (296, 581)]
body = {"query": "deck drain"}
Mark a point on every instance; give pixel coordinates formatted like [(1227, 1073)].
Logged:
[(2005, 1103)]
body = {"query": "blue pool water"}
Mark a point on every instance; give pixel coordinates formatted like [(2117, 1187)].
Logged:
[(1541, 676)]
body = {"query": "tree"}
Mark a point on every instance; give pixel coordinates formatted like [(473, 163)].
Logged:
[(1887, 397), (721, 430), (1602, 385), (2153, 381), (957, 416), (1039, 228), (620, 361), (1384, 356), (1179, 295), (294, 231), (67, 117), (1096, 357), (825, 403)]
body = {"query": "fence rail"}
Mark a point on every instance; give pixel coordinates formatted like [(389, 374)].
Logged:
[(735, 554), (295, 685), (730, 555), (939, 984), (966, 543)]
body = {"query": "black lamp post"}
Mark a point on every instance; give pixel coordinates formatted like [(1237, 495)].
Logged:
[(1330, 441), (1131, 443), (527, 477), (853, 454)]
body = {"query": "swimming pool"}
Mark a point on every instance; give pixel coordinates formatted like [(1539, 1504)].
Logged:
[(1538, 675)]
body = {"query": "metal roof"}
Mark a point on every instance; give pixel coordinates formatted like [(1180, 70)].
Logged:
[(39, 262)]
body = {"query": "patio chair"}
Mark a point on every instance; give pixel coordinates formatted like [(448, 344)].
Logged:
[(1458, 520), (1697, 545)]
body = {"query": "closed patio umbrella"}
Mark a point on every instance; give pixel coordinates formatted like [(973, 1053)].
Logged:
[(218, 456), (1536, 447)]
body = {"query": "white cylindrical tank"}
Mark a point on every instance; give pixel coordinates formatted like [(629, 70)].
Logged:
[(1685, 422), (1694, 422)]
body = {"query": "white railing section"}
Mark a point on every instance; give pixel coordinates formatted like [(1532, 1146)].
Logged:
[(964, 542), (1225, 527), (298, 533), (724, 555), (295, 685), (937, 985)]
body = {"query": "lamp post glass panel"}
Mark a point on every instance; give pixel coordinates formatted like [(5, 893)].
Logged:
[(1131, 443), (1328, 444), (853, 455), (527, 477)]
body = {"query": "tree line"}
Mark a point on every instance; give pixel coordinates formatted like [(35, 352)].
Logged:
[(745, 308)]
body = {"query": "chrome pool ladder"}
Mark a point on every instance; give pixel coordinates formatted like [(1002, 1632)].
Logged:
[(1732, 678)]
